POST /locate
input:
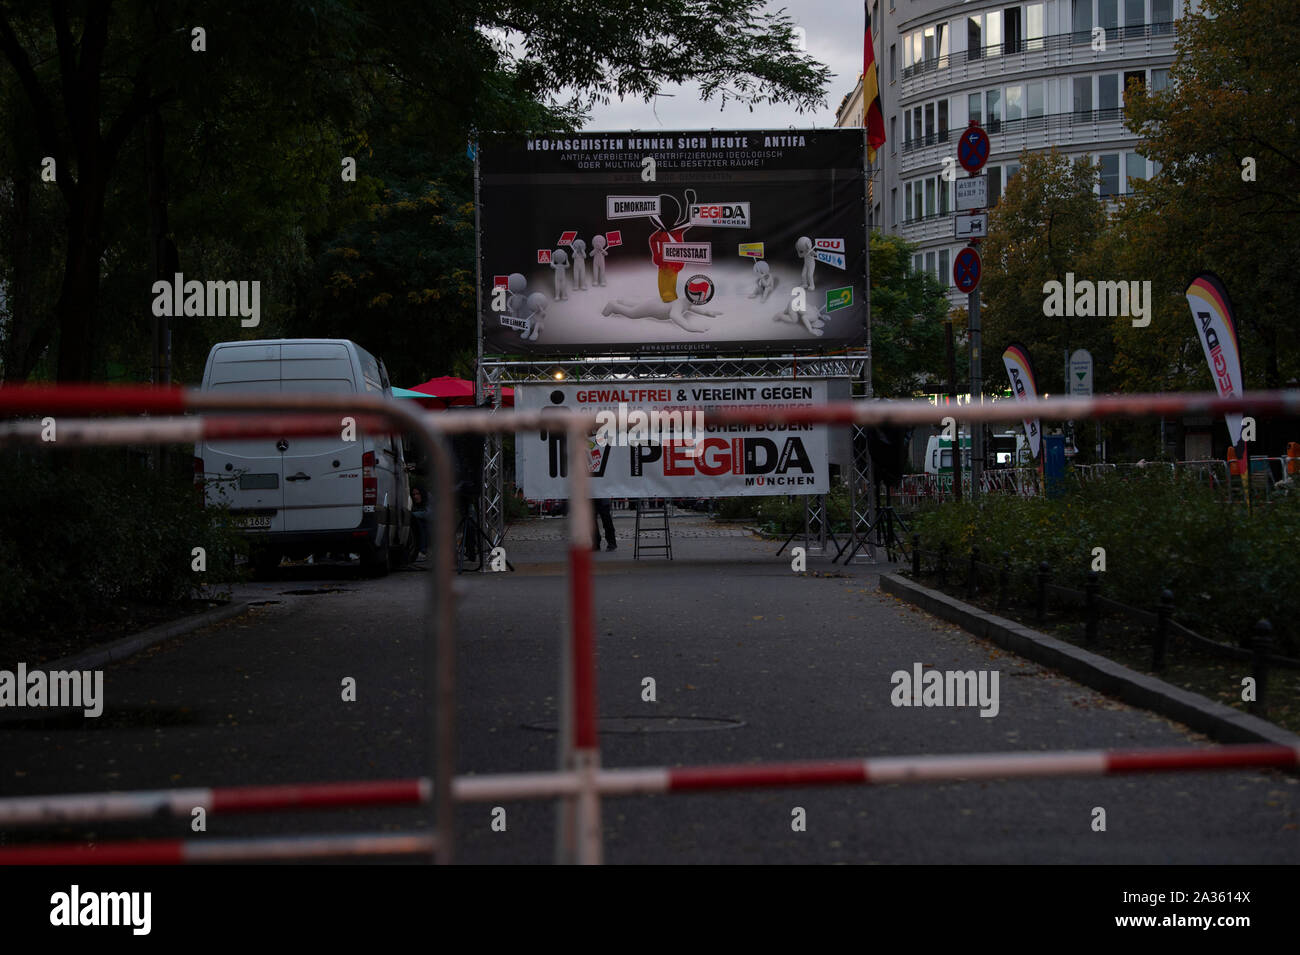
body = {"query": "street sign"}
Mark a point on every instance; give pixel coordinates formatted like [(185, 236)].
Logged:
[(973, 149), (972, 193), (966, 269), (1081, 374), (971, 227)]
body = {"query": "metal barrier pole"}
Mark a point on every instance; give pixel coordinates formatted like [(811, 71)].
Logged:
[(582, 650)]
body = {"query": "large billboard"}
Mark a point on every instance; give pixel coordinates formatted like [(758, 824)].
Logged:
[(649, 446), (626, 243)]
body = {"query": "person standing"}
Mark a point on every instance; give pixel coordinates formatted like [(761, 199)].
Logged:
[(603, 514)]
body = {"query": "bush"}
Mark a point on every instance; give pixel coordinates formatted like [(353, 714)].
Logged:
[(97, 530), (1226, 567)]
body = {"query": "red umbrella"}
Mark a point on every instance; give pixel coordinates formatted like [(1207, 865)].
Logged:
[(457, 392)]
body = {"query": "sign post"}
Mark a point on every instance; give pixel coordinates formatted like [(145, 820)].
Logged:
[(972, 195)]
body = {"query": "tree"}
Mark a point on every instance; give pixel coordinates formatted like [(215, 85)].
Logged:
[(1227, 194), (908, 309), (1045, 226), (300, 80)]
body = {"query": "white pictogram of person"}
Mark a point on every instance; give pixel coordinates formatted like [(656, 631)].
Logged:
[(764, 281), (816, 324), (517, 303), (560, 262), (598, 253), (803, 247), (679, 311), (536, 316), (579, 265)]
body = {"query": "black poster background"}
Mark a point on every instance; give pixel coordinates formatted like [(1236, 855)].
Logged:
[(797, 183)]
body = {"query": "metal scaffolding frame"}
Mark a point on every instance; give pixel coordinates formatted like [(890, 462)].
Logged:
[(855, 364)]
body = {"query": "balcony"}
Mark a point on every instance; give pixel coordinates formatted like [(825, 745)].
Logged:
[(1061, 50), (1075, 129)]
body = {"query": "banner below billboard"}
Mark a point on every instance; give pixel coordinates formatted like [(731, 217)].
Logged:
[(618, 243), (1025, 388), (652, 444)]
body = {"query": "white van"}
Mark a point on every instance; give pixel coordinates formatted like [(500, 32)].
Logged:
[(297, 496), (1009, 449)]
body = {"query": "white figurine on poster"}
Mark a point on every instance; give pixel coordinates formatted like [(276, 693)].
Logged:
[(536, 316), (764, 281), (804, 249), (799, 316), (579, 265), (598, 253), (560, 262), (679, 312), (517, 285)]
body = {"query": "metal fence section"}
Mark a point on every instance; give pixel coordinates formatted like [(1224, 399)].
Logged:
[(579, 781)]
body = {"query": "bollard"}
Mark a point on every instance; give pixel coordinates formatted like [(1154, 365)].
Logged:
[(1044, 572), (1262, 644), (1092, 612), (1164, 611), (972, 575), (943, 564), (916, 556), (1004, 580)]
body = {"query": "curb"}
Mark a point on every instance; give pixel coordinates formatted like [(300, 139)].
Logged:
[(1217, 721), (125, 647)]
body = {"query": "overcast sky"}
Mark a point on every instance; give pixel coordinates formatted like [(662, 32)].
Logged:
[(834, 37)]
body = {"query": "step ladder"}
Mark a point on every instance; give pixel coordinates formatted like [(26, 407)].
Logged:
[(650, 522)]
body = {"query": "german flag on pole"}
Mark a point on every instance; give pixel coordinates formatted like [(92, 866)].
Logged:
[(873, 113)]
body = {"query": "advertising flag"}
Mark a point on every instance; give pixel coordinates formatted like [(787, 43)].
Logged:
[(1217, 330), (1024, 386)]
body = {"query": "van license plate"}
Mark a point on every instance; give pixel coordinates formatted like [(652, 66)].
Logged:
[(255, 522)]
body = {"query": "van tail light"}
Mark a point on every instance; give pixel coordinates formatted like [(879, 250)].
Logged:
[(369, 483), (198, 481)]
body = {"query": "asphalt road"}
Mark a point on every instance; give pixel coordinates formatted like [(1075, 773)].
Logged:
[(797, 667)]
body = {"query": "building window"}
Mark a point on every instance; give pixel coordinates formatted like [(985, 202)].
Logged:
[(893, 134), (930, 264), (1109, 175), (930, 207), (1135, 76), (1162, 15), (1035, 99), (893, 62), (1034, 24), (1135, 167), (1134, 17), (893, 207), (995, 184), (1159, 80), (974, 102), (916, 126), (918, 262), (993, 110), (1108, 96), (907, 202), (1082, 21), (1011, 28), (1083, 98), (943, 120), (945, 196), (1015, 103), (1108, 17), (974, 36), (993, 32), (945, 269), (929, 124)]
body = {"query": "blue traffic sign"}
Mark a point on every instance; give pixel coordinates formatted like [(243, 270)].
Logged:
[(973, 149), (966, 269)]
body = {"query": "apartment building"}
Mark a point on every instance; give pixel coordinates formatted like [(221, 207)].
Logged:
[(1035, 75)]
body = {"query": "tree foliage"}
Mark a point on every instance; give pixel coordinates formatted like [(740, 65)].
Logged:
[(908, 309)]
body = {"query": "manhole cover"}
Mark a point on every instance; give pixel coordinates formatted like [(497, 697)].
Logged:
[(312, 593), (649, 724)]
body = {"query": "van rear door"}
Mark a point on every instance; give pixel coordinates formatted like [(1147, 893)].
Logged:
[(322, 475), (247, 476)]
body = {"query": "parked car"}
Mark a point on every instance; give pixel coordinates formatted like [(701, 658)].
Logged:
[(297, 496)]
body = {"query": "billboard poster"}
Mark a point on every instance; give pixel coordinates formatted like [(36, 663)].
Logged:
[(630, 243), (651, 442)]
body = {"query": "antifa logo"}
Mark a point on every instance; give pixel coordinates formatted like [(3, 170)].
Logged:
[(699, 289)]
